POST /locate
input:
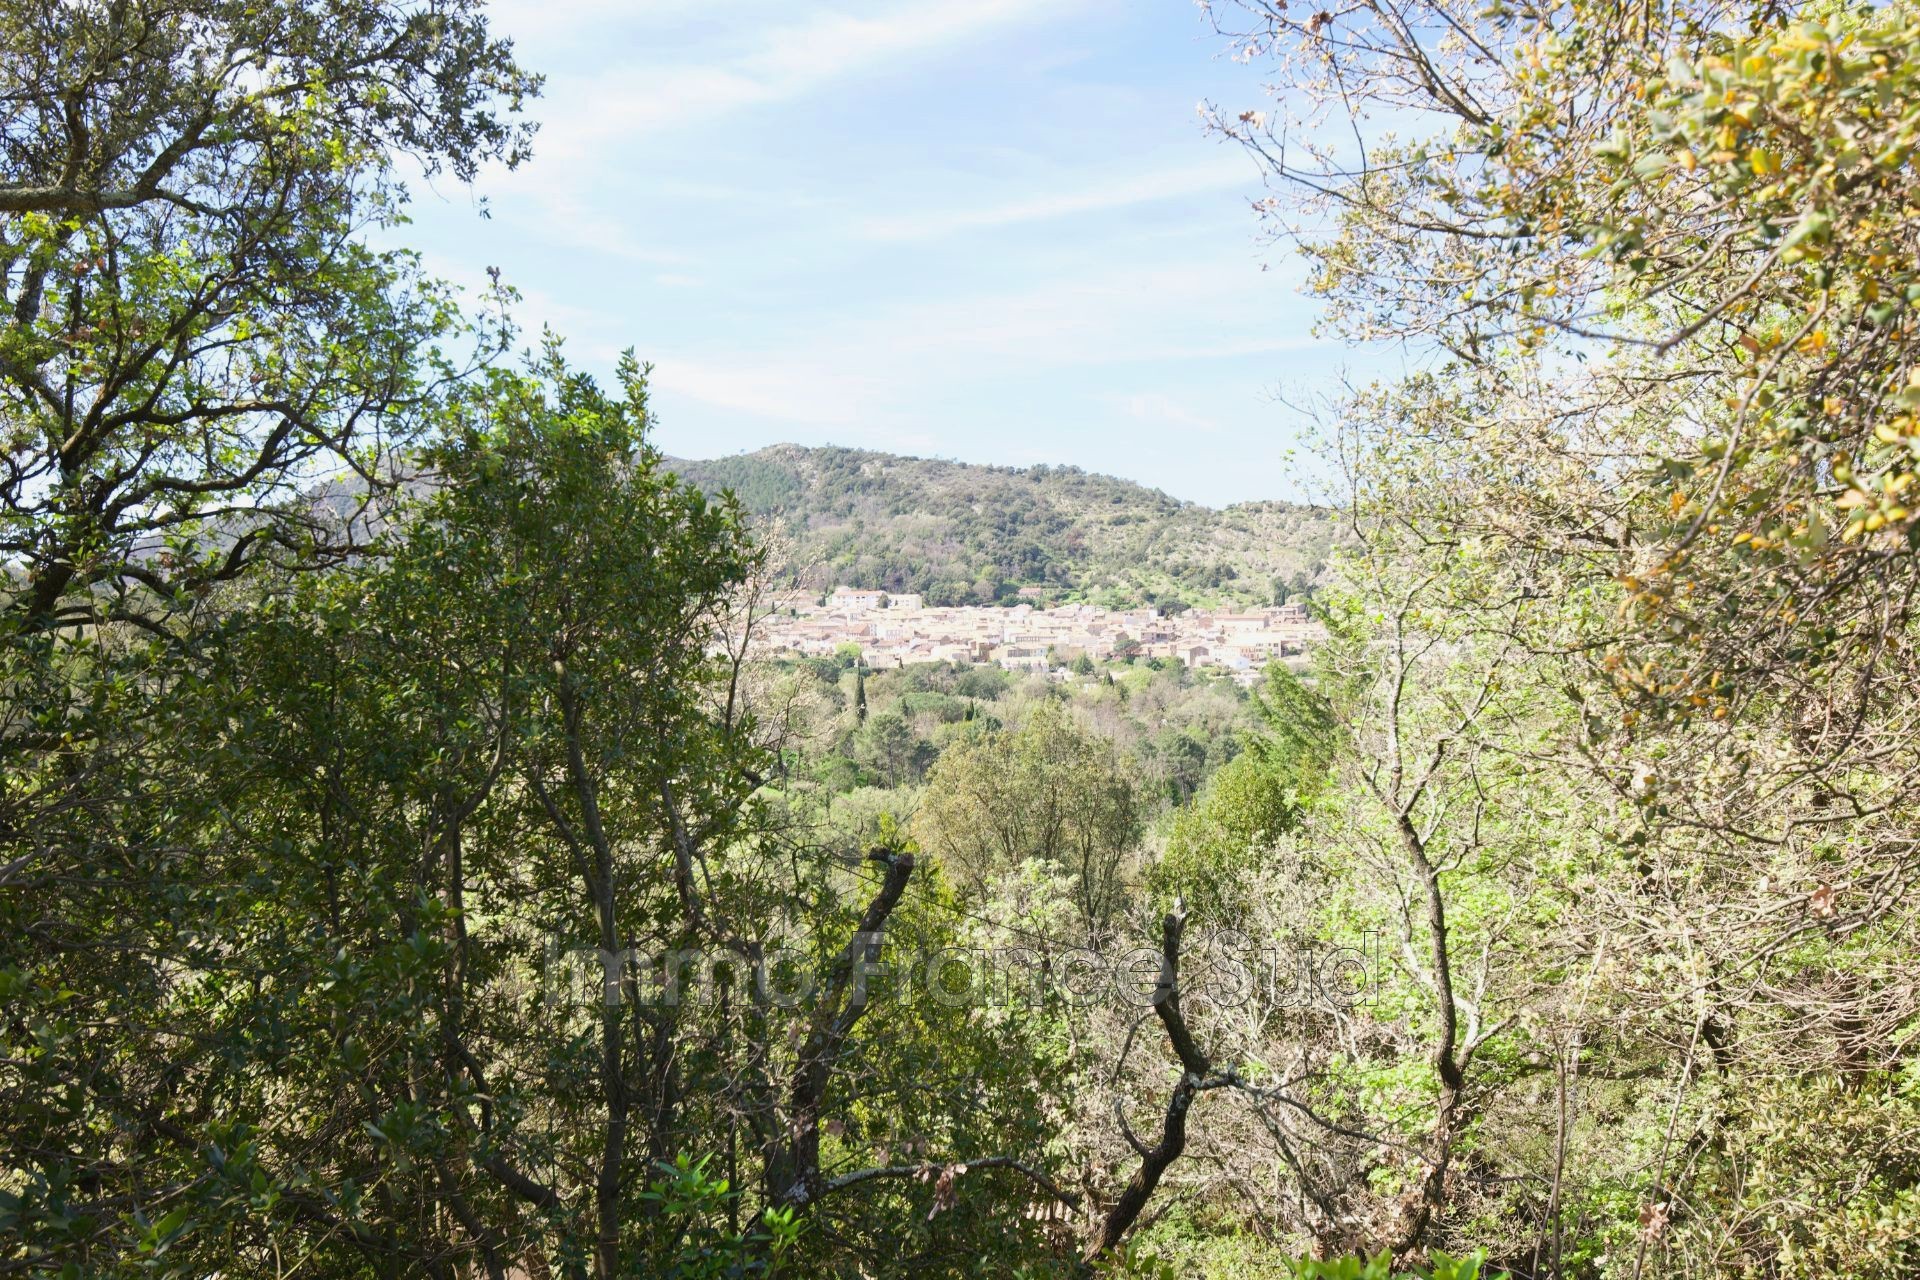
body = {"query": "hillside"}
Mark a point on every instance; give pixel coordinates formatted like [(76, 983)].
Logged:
[(965, 534)]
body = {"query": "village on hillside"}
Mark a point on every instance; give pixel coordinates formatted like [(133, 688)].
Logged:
[(895, 630)]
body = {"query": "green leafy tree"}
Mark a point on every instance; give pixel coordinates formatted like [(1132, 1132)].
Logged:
[(414, 774), (1216, 842), (887, 745), (1650, 496), (1049, 791), (196, 348), (194, 333)]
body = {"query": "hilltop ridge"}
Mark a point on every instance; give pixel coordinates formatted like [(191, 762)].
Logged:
[(965, 533)]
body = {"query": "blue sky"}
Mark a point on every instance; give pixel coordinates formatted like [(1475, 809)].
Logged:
[(990, 230)]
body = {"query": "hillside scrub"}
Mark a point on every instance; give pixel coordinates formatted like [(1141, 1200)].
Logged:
[(958, 534)]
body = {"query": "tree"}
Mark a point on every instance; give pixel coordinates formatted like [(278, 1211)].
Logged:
[(1214, 842), (1048, 791), (370, 914), (195, 342), (195, 336), (886, 744), (1665, 262)]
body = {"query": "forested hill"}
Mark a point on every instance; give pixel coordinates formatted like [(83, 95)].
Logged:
[(965, 534)]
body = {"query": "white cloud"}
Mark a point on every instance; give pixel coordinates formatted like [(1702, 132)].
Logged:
[(794, 392), (567, 214), (879, 376), (547, 32), (785, 62), (1130, 313), (578, 183), (872, 371), (1164, 411), (1096, 197)]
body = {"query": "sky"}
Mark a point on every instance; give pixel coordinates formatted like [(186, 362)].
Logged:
[(987, 230)]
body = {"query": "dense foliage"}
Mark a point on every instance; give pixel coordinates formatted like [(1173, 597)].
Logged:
[(1631, 633)]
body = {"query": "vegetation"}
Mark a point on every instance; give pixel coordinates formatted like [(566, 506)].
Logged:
[(1630, 631), (958, 534), (409, 866)]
